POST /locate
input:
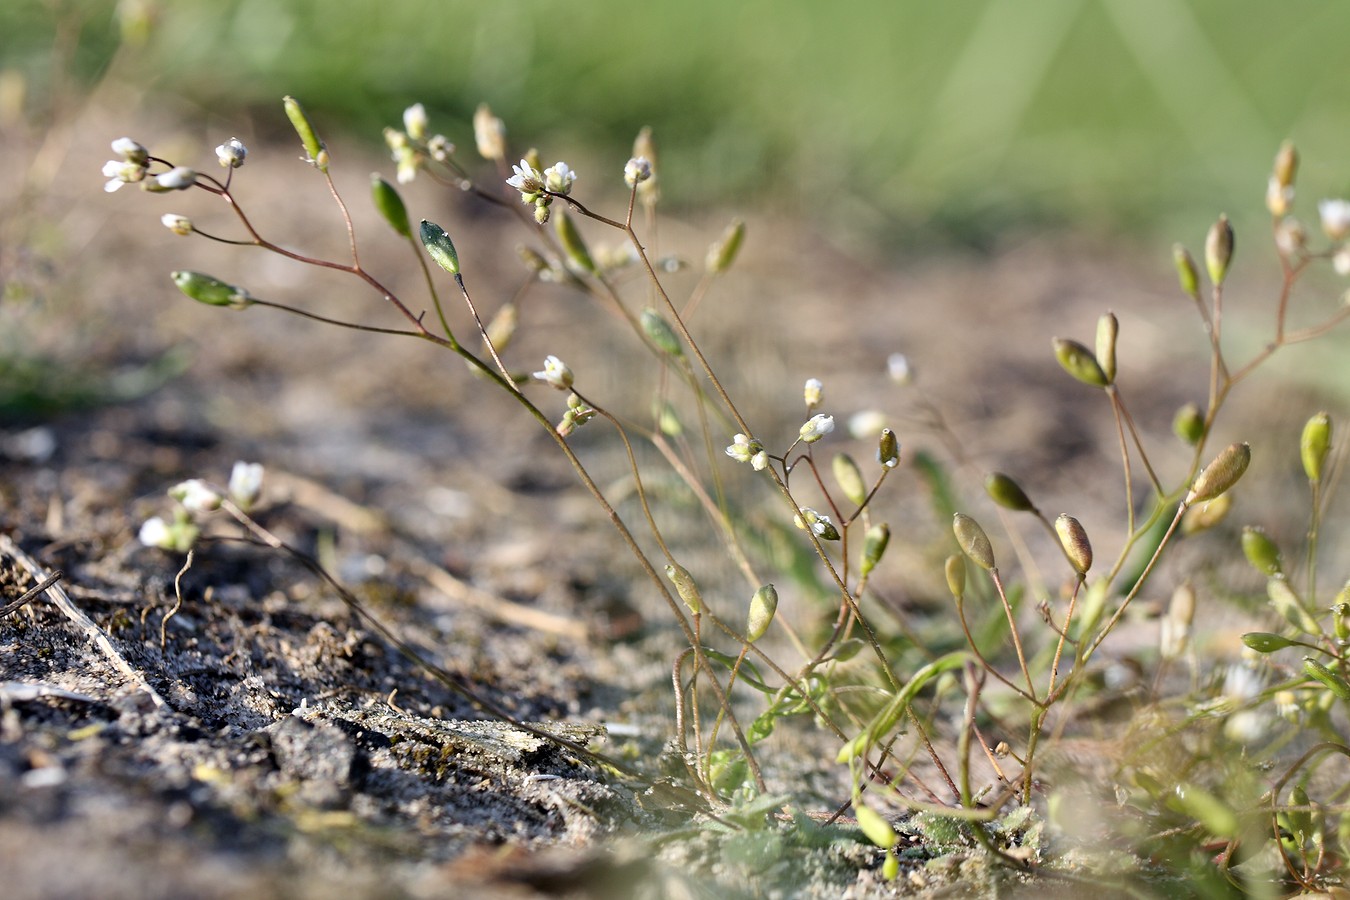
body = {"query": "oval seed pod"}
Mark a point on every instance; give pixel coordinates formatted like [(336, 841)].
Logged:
[(1221, 474), (1079, 362), (1334, 682), (874, 546), (956, 575), (211, 291), (1007, 493), (314, 148), (874, 826), (849, 477), (890, 867), (763, 605), (686, 587), (489, 134), (1187, 273), (440, 247), (503, 326), (973, 541), (1286, 164), (1261, 551), (1108, 327), (660, 333), (1265, 642), (1189, 424), (390, 205), (1203, 516), (1315, 444), (1219, 250), (572, 243), (723, 253), (1075, 542), (888, 449)]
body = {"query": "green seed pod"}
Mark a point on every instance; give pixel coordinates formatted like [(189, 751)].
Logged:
[(572, 243), (440, 247), (1108, 327), (1315, 445), (1221, 474), (668, 419), (686, 587), (503, 326), (1007, 493), (1204, 516), (1286, 164), (890, 867), (763, 605), (314, 148), (660, 333), (1261, 551), (1075, 542), (1187, 273), (1300, 820), (1334, 682), (973, 541), (532, 260), (1285, 601), (849, 477), (1189, 424), (874, 826), (1265, 642), (390, 205), (723, 253), (211, 291), (1219, 250), (874, 546), (846, 650), (956, 575), (1340, 614), (888, 449), (1079, 362)]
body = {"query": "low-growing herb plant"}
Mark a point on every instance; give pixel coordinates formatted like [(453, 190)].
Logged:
[(1224, 769)]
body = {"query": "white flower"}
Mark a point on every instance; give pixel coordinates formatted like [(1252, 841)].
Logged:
[(245, 483), (555, 373), (121, 172), (131, 151), (527, 180), (813, 393), (559, 179), (179, 178), (155, 533), (819, 525), (759, 461), (743, 449), (816, 428), (440, 148), (636, 170), (415, 121), (195, 495), (176, 223), (1335, 218), (231, 153), (1340, 261), (897, 364)]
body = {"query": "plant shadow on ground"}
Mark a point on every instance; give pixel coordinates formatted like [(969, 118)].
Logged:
[(297, 752)]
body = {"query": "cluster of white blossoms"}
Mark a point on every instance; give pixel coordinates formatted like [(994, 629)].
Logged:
[(411, 147), (197, 497), (539, 188)]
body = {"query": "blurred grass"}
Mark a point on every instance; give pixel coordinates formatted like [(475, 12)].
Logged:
[(954, 120)]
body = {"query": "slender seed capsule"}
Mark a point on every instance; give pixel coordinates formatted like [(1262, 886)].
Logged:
[(763, 605), (686, 587), (1108, 327), (1261, 551), (1265, 641), (973, 541), (888, 449), (1075, 542), (314, 148), (956, 575), (874, 826), (572, 243), (1219, 250), (211, 291), (1315, 444), (1007, 493), (1221, 474), (1187, 273), (1334, 682), (1079, 362), (440, 247), (660, 333), (874, 546), (390, 205), (723, 253), (849, 477)]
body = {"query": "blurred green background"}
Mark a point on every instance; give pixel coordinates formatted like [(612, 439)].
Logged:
[(899, 121)]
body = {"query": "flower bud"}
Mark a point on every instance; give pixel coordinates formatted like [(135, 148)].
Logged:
[(899, 369), (685, 587), (1007, 493), (231, 153), (390, 205), (1261, 552), (196, 496), (211, 291), (955, 570), (1107, 329), (489, 134), (1075, 542), (415, 121), (849, 477), (1286, 164), (245, 484), (573, 244), (723, 253), (973, 541), (1219, 250), (813, 393), (815, 428), (1335, 216), (1204, 516), (1340, 614), (821, 526), (1265, 642), (1079, 362), (556, 373), (636, 171), (1189, 424), (131, 151), (440, 247), (1279, 197), (874, 546), (1333, 681), (660, 333), (179, 178), (176, 223), (314, 149), (763, 605), (1315, 444), (1221, 474), (888, 449), (1187, 273)]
